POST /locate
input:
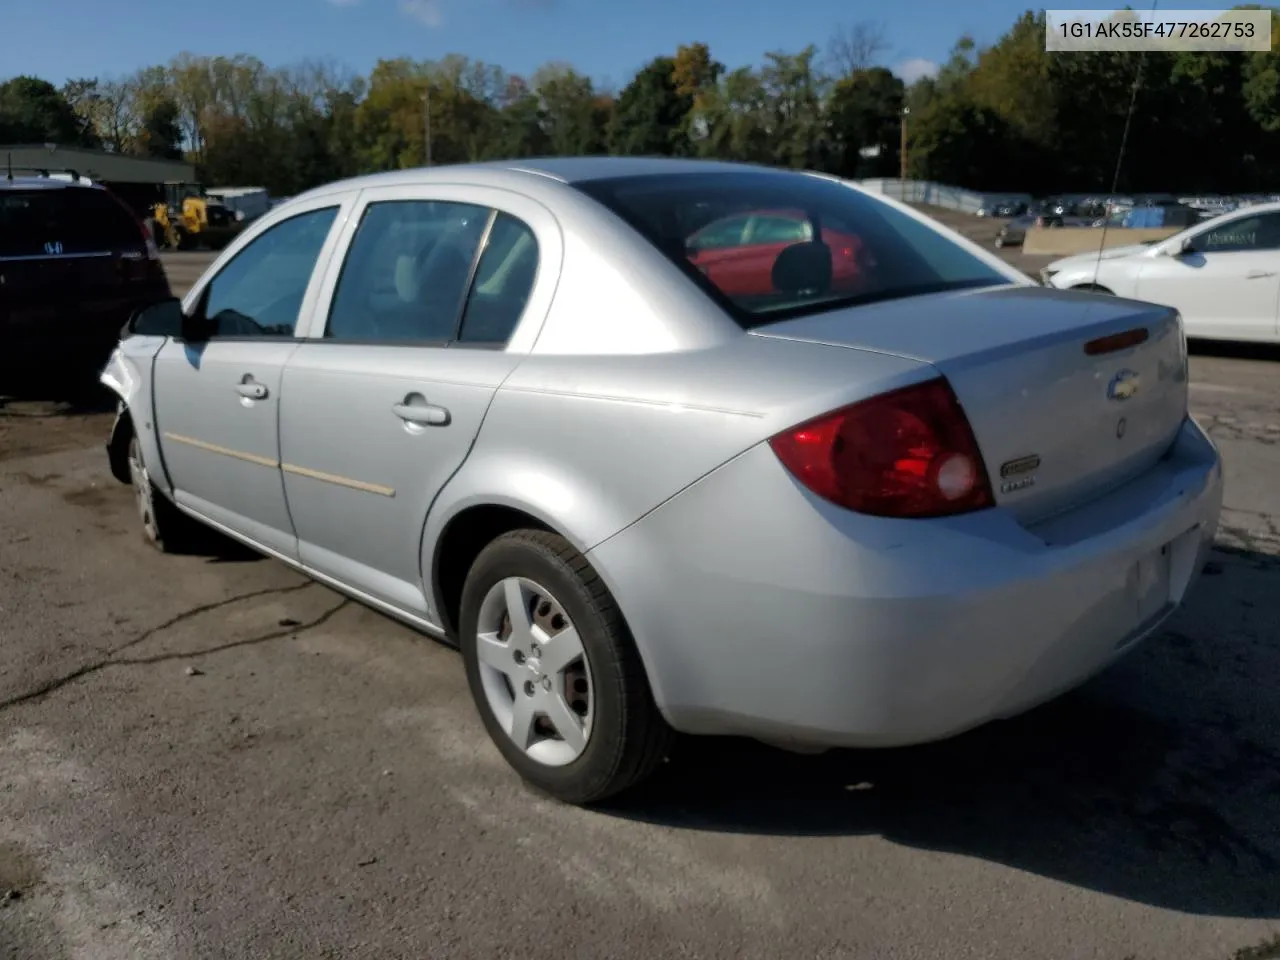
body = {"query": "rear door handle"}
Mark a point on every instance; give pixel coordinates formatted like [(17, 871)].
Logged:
[(1259, 274), (415, 409), (251, 389)]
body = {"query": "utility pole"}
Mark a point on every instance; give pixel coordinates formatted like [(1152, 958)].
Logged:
[(426, 122), (902, 150)]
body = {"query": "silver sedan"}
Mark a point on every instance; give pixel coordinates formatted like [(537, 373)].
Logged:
[(843, 479)]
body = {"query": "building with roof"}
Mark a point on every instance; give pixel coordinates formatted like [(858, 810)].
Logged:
[(99, 165)]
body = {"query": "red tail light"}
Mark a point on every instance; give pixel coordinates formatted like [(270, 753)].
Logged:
[(906, 453)]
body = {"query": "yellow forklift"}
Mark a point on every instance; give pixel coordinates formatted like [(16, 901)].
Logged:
[(187, 219)]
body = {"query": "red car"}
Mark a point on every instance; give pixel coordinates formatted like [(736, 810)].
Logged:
[(737, 253)]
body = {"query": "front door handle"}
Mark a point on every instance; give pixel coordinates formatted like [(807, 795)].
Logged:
[(1259, 274), (251, 389), (415, 409)]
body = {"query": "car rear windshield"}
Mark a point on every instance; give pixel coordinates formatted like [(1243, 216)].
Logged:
[(54, 221), (769, 246)]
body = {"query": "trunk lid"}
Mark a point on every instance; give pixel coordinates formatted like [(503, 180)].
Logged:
[(1057, 425)]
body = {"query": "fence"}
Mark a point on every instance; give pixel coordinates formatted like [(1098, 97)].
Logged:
[(938, 194)]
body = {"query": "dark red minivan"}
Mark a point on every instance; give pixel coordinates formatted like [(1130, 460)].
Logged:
[(74, 264)]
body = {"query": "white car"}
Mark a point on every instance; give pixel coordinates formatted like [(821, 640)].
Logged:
[(1222, 275)]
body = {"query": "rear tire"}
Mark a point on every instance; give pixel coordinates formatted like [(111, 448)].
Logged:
[(559, 683), (164, 526)]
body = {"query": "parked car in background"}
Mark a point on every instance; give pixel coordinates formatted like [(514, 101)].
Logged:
[(1222, 275), (1002, 208), (1015, 231), (738, 253), (245, 203), (75, 263), (503, 403)]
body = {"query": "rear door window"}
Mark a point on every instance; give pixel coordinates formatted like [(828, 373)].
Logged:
[(433, 273), (407, 273), (61, 221)]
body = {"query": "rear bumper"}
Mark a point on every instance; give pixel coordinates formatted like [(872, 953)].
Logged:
[(763, 611), (39, 339)]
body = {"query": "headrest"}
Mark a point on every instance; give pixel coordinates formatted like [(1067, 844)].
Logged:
[(406, 278), (803, 268)]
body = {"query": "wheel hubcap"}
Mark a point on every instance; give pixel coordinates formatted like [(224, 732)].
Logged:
[(141, 489), (534, 671)]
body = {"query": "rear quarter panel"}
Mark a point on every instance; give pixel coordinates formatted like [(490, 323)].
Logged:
[(589, 444)]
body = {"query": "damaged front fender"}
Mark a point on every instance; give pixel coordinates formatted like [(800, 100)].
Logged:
[(127, 375)]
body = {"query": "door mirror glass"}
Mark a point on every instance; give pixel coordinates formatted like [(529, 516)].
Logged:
[(160, 319)]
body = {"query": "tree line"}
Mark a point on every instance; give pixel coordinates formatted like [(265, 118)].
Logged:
[(1008, 116)]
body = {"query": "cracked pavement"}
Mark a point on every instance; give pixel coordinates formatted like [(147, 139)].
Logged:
[(210, 756)]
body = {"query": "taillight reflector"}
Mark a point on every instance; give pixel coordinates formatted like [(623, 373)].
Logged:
[(905, 453)]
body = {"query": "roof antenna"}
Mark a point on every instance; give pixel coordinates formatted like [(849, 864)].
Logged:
[(10, 166), (1124, 141)]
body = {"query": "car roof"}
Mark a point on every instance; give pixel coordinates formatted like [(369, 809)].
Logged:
[(579, 169), (557, 171), (43, 183)]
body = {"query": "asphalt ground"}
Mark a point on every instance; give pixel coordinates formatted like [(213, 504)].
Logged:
[(209, 756)]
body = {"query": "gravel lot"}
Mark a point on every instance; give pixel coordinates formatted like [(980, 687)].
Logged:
[(208, 756)]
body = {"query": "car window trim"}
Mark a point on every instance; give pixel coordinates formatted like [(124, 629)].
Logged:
[(470, 285), (205, 284)]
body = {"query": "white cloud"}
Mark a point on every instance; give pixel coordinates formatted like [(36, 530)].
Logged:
[(916, 67), (426, 12)]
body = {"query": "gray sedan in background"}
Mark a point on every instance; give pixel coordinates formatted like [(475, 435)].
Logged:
[(862, 486)]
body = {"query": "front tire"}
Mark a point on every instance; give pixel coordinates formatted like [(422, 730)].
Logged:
[(554, 671), (164, 526)]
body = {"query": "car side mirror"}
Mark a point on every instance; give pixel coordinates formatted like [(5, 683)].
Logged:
[(1187, 248), (160, 319), (195, 329)]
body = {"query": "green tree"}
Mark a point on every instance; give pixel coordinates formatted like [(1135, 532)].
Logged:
[(957, 141), (863, 113), (35, 111), (697, 76), (651, 113), (1261, 82), (794, 89), (575, 118), (160, 133)]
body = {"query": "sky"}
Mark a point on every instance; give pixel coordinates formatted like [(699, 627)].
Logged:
[(606, 39)]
